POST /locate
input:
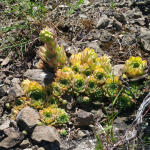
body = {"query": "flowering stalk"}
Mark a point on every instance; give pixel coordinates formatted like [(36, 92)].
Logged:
[(51, 53)]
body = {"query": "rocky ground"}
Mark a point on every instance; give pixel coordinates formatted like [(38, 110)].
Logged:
[(120, 30)]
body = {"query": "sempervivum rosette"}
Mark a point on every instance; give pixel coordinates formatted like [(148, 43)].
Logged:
[(35, 93), (90, 85), (112, 87), (104, 62), (89, 56), (134, 67), (78, 84)]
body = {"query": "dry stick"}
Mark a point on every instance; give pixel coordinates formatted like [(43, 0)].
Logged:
[(138, 120)]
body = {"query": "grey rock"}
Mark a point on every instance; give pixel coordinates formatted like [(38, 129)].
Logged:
[(109, 12), (129, 13), (41, 148), (137, 15), (83, 118), (5, 125), (128, 39), (96, 46), (120, 124), (117, 70), (86, 145), (2, 4), (3, 91), (28, 118), (13, 138), (45, 133), (2, 103), (42, 77), (120, 17), (103, 22), (83, 16), (70, 101), (80, 134), (140, 21), (117, 25), (24, 143), (145, 39), (105, 36), (15, 91)]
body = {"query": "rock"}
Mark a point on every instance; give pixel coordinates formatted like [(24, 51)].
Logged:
[(15, 91), (28, 118), (140, 21), (7, 59), (120, 124), (83, 118), (105, 36), (137, 15), (2, 103), (13, 138), (117, 25), (42, 77), (3, 90), (86, 145), (41, 148), (80, 134), (5, 125), (2, 4), (120, 17), (128, 39), (15, 81), (103, 22), (24, 143), (109, 12), (45, 133), (118, 70), (145, 39), (96, 46), (70, 101), (83, 16)]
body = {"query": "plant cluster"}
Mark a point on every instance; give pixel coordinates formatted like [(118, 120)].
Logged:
[(85, 77)]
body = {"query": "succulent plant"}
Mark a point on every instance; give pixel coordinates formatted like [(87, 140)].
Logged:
[(56, 88), (83, 100), (112, 87), (51, 53), (78, 84), (135, 67), (104, 62), (90, 85), (89, 56), (124, 101), (100, 75), (63, 132), (35, 92), (54, 116), (19, 103)]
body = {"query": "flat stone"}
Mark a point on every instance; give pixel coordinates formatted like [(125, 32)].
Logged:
[(42, 77), (3, 91), (28, 118), (15, 91), (103, 22), (14, 138), (117, 70), (5, 125), (45, 133), (145, 39), (83, 118), (24, 143), (2, 103)]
